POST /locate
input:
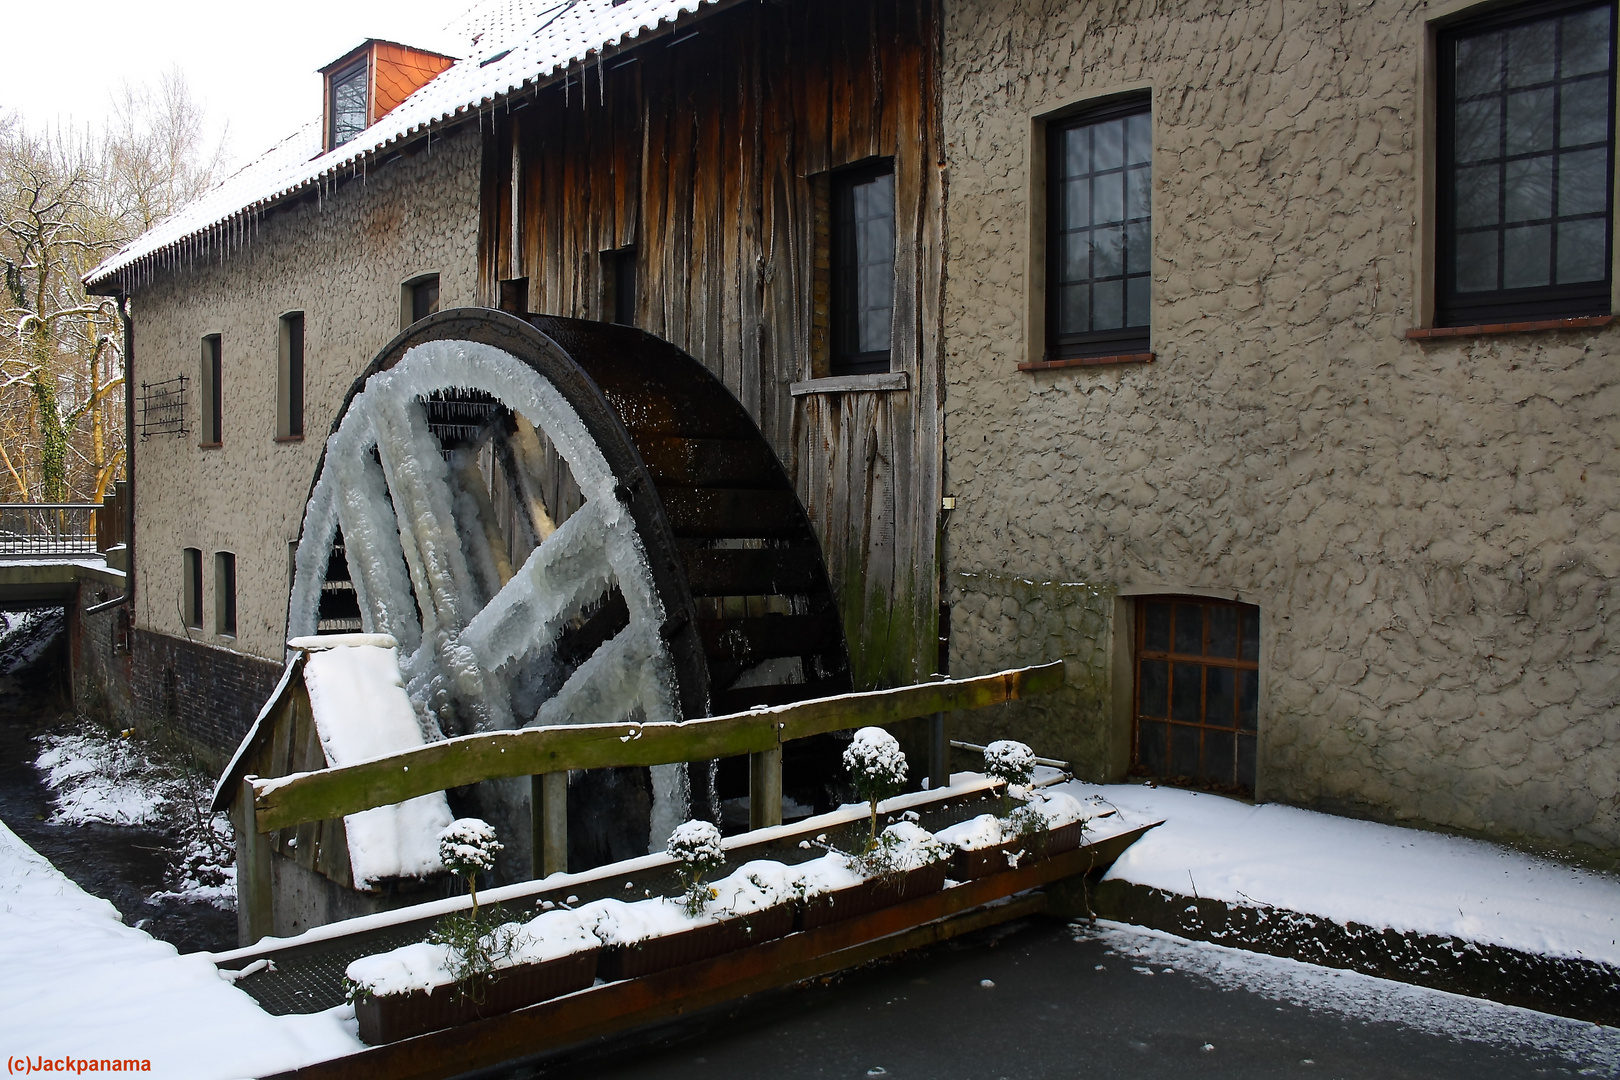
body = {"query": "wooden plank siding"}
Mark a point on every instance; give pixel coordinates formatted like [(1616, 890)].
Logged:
[(705, 154)]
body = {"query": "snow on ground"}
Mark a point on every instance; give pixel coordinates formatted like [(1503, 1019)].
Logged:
[(78, 982), (1361, 997), (1360, 871), (99, 776)]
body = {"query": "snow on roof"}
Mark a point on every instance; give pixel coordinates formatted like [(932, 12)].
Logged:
[(362, 712), (518, 44)]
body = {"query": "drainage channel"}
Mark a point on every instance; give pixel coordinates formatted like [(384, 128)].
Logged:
[(123, 864)]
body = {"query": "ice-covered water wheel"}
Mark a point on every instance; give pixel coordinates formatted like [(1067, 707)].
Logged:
[(569, 522)]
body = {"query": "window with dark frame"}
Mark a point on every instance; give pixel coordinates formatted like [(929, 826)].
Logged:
[(191, 587), (1197, 691), (1099, 242), (225, 594), (213, 392), (619, 276), (424, 297), (348, 103), (862, 257), (1526, 161), (290, 380)]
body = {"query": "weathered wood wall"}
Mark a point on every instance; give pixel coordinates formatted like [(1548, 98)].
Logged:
[(705, 154)]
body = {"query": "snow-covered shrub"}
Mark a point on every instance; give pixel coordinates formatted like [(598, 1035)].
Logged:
[(468, 847), (878, 767), (1010, 762), (695, 847), (475, 948), (901, 847)]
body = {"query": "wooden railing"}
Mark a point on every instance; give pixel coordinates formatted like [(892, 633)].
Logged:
[(548, 753)]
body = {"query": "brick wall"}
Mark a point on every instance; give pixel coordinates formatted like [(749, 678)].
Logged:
[(203, 695)]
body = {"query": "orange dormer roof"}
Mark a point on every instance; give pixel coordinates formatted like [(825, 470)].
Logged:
[(394, 73)]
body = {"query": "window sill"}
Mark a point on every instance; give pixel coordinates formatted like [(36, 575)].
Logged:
[(844, 384), (210, 445), (289, 438), (1489, 329), (1088, 361)]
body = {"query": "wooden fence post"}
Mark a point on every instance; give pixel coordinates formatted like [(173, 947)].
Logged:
[(548, 804), (765, 788), (253, 885), (939, 754)]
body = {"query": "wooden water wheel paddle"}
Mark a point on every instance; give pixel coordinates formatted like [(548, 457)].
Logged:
[(564, 521)]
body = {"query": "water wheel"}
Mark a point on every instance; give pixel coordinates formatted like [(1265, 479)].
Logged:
[(569, 522)]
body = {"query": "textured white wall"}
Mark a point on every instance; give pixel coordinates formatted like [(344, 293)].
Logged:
[(341, 260), (1429, 530)]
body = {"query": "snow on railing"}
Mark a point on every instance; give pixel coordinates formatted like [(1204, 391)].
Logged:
[(284, 801)]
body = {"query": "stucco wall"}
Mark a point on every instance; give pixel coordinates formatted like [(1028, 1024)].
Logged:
[(1429, 530), (342, 261)]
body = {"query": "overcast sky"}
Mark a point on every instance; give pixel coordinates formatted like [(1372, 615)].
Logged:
[(252, 65)]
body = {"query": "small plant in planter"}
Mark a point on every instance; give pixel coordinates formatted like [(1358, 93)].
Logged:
[(878, 767), (695, 847), (1013, 763), (477, 946)]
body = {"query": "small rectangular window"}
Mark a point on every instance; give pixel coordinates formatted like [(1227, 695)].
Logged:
[(191, 587), (1099, 240), (421, 298), (1197, 691), (1526, 165), (348, 103), (863, 226), (619, 285), (213, 392), (290, 378), (224, 594)]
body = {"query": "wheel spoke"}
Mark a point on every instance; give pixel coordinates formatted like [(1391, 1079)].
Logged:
[(371, 541), (630, 671), (559, 578)]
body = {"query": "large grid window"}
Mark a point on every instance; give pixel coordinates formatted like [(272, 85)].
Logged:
[(1100, 231), (863, 269), (1197, 690), (1526, 158), (348, 104)]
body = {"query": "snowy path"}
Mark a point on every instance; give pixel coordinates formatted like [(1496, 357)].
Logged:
[(80, 984), (1359, 871)]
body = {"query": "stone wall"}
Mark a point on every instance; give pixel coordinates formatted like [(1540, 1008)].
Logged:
[(341, 259), (1428, 529)]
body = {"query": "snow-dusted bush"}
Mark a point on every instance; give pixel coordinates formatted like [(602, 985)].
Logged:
[(1010, 762), (878, 767), (468, 847), (901, 847), (695, 847)]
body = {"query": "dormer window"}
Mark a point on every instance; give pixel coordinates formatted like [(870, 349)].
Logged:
[(348, 102), (369, 82)]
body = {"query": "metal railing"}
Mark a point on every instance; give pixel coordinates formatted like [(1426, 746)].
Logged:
[(32, 530)]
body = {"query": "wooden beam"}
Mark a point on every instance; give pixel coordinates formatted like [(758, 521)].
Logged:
[(765, 788), (333, 793), (255, 891), (550, 804)]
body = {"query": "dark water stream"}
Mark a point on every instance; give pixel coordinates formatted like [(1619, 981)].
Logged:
[(123, 864)]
